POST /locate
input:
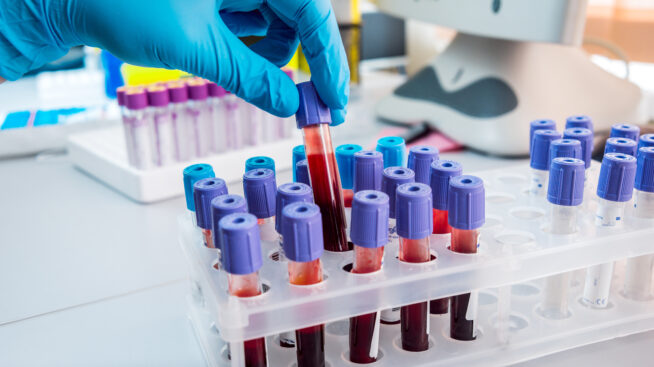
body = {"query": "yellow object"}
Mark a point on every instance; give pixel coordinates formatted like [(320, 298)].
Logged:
[(138, 75)]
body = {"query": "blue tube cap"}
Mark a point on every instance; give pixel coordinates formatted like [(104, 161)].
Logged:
[(420, 160), (368, 167), (392, 148), (298, 155), (302, 172), (625, 131), (585, 137), (192, 174), (441, 172), (540, 148), (466, 202), (540, 125), (369, 219), (645, 170), (302, 232), (260, 189), (413, 210), (345, 159), (240, 244), (570, 148), (312, 110), (646, 140), (617, 177), (620, 145), (204, 191), (289, 193), (222, 206), (259, 162), (580, 121), (391, 179), (566, 183)]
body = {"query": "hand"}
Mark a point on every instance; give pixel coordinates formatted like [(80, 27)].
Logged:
[(198, 36)]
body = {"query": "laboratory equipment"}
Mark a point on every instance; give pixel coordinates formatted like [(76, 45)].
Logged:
[(540, 156), (345, 160), (298, 155), (420, 159), (260, 188), (585, 137), (222, 206), (204, 191), (199, 112), (302, 172), (570, 148), (579, 121), (625, 131), (620, 145), (368, 167), (539, 125), (165, 144), (217, 108), (191, 175), (393, 149), (139, 121), (259, 162), (289, 193), (181, 119), (236, 136), (646, 140)]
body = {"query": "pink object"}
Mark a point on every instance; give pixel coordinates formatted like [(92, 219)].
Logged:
[(434, 139)]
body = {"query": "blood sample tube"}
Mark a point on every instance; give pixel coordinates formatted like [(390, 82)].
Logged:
[(217, 112), (127, 131), (561, 148), (259, 162), (392, 148), (638, 272), (222, 206), (614, 188), (200, 117), (414, 226), (369, 235), (241, 259), (164, 129), (420, 160), (303, 245), (298, 155), (139, 121), (579, 121), (620, 145), (260, 189), (565, 193), (345, 159), (467, 214), (625, 131), (646, 140), (539, 125), (368, 167), (191, 175), (234, 128), (540, 155), (184, 138), (204, 191), (313, 117), (302, 172), (585, 137)]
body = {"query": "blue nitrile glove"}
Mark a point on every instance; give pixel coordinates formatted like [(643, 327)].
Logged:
[(197, 36)]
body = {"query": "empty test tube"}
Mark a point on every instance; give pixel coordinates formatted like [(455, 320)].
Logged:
[(585, 137), (565, 193), (540, 155), (620, 145), (139, 121), (302, 172), (217, 111), (345, 160), (625, 131), (614, 188), (241, 259), (539, 125), (199, 113), (368, 167), (204, 191), (222, 206), (393, 149), (646, 140), (298, 155), (369, 234), (178, 94), (234, 129), (191, 175), (259, 162), (303, 246), (314, 117), (260, 188), (165, 144), (420, 159), (564, 148), (414, 226)]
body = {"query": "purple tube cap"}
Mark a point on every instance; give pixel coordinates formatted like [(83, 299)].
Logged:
[(620, 145), (466, 202), (198, 90), (540, 148), (581, 121), (420, 159), (646, 140), (302, 232), (413, 209), (566, 183), (302, 172), (222, 206), (585, 137), (120, 95), (260, 189), (368, 167), (136, 99), (625, 131), (391, 179), (369, 219), (564, 148), (204, 191), (178, 92), (158, 96), (312, 109), (240, 244), (216, 91), (289, 193), (617, 177), (441, 172), (645, 170)]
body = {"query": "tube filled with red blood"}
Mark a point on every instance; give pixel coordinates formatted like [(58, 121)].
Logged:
[(204, 191)]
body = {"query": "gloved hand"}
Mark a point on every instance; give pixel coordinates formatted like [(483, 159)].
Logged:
[(197, 36)]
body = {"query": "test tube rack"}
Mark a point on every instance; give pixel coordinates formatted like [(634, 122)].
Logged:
[(102, 154), (515, 253)]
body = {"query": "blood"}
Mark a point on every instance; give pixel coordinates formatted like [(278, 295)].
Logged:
[(348, 196), (248, 285), (439, 306), (208, 238), (310, 343), (463, 241), (255, 352), (441, 225), (413, 318), (362, 330)]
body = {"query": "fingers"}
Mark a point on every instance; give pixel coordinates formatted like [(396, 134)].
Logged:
[(281, 41), (243, 24)]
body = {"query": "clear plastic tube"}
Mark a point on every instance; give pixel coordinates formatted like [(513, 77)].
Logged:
[(638, 271), (414, 319), (140, 124), (129, 140), (391, 316), (183, 142), (463, 308), (538, 183), (441, 226), (253, 351), (201, 127), (164, 136), (233, 128), (267, 229), (217, 108)]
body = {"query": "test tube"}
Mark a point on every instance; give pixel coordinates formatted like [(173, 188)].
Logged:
[(302, 172), (298, 155), (164, 129), (368, 167), (217, 111), (420, 160), (191, 175), (620, 145), (256, 128), (260, 189), (222, 206), (625, 131), (259, 162), (540, 155), (646, 140), (139, 120), (466, 213), (579, 121), (234, 129), (392, 148), (204, 191), (200, 116), (539, 125), (585, 137), (638, 272), (184, 139), (570, 148), (369, 235), (565, 193), (303, 246), (414, 226), (127, 131), (614, 188), (345, 160), (313, 117), (241, 259)]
